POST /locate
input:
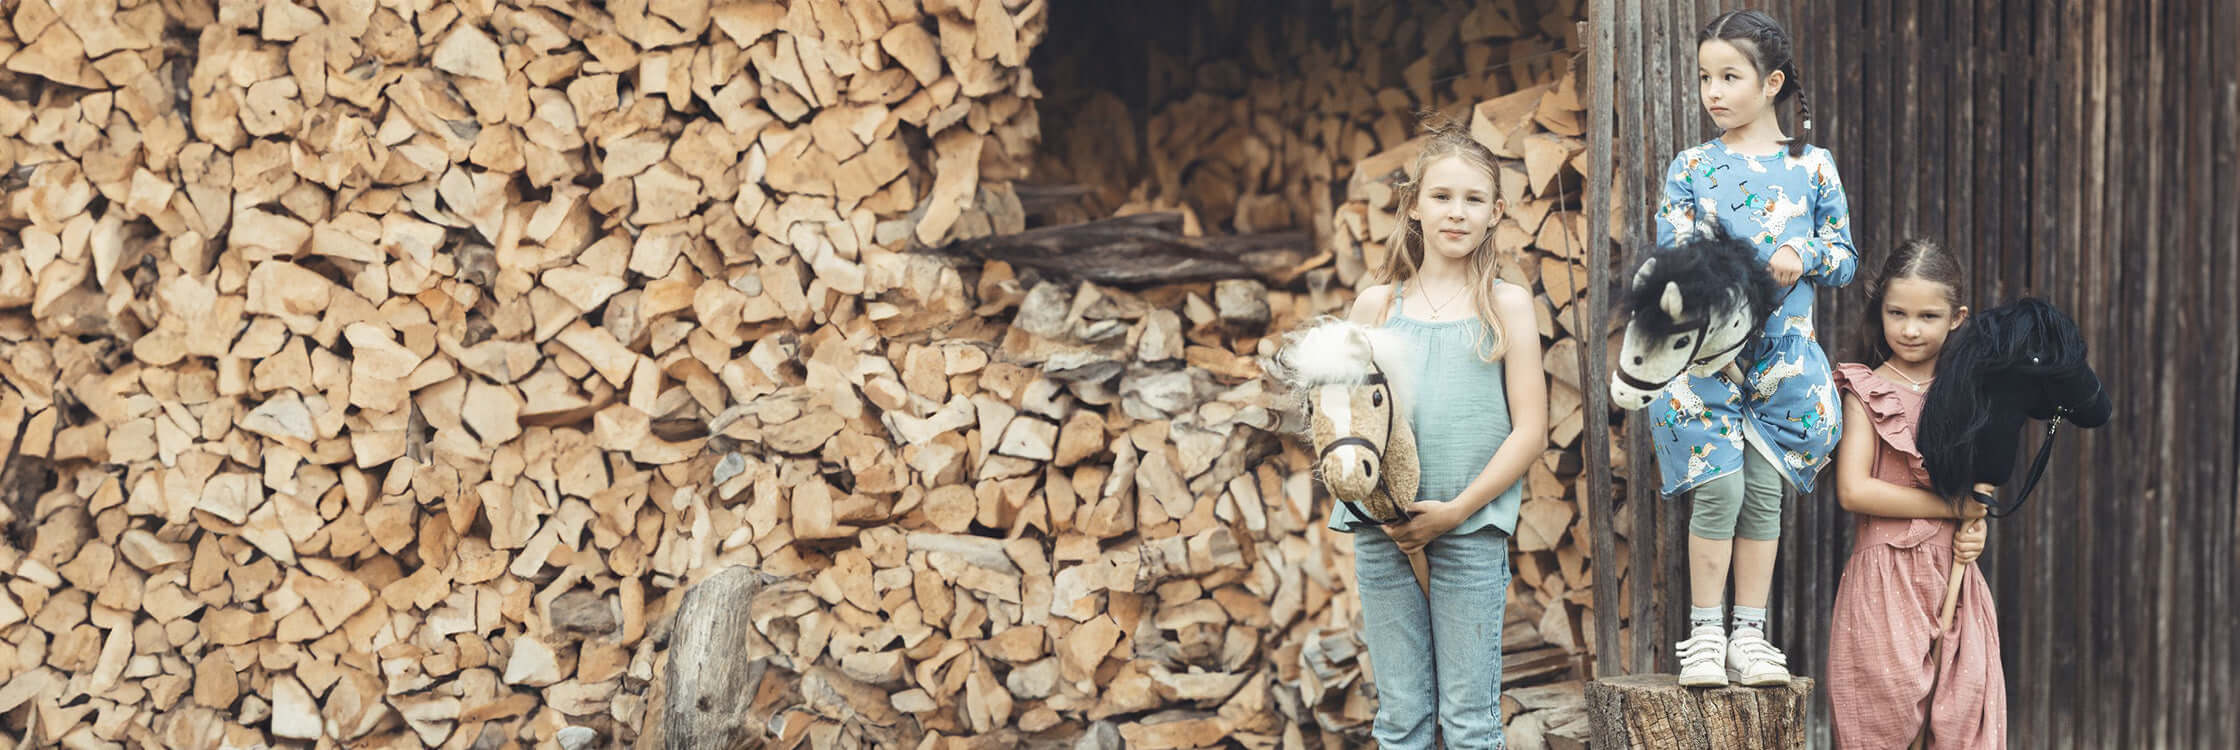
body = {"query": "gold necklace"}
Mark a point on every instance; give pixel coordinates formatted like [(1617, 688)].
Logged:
[(1437, 306)]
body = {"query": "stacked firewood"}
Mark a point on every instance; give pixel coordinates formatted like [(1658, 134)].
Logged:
[(375, 372), (384, 376)]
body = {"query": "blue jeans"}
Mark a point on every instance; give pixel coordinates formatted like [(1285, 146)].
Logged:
[(1444, 652)]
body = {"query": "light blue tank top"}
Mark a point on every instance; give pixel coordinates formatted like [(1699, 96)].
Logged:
[(1460, 417)]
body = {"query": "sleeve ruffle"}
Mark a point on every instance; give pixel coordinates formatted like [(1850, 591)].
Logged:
[(1886, 407)]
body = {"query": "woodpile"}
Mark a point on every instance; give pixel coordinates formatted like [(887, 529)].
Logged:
[(369, 367), (382, 376)]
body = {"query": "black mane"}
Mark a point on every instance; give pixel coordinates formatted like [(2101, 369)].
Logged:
[(2003, 351), (1717, 266)]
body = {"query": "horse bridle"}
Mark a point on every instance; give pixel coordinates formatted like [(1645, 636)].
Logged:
[(1391, 417), (1702, 327), (1997, 509)]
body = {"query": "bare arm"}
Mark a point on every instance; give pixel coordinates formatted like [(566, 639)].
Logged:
[(1369, 306), (1527, 384), (1859, 491)]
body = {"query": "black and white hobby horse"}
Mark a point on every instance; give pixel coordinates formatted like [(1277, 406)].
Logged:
[(1692, 308)]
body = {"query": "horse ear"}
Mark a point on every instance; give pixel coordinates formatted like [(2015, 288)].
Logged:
[(1670, 300), (1359, 338), (1642, 273)]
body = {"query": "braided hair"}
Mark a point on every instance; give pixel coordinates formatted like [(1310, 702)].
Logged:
[(1762, 39)]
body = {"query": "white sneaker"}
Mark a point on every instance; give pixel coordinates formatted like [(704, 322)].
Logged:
[(1703, 656), (1753, 661)]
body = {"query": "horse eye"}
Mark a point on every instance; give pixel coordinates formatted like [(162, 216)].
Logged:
[(1376, 398), (1680, 343)]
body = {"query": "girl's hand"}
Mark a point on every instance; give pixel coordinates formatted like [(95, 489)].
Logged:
[(1427, 521), (1970, 509), (1787, 265), (1966, 507), (1968, 544)]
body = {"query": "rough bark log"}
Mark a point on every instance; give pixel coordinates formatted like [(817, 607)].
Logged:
[(709, 685), (1139, 250), (1653, 712)]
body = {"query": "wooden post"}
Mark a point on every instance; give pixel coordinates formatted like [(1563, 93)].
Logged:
[(1592, 360), (1653, 712), (1671, 120), (1641, 508)]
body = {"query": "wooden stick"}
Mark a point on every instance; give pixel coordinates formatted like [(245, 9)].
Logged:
[(708, 690), (1973, 514), (1422, 566), (1951, 597)]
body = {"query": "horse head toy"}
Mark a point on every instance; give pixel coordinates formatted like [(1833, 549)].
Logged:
[(1355, 390), (2019, 361), (1694, 309)]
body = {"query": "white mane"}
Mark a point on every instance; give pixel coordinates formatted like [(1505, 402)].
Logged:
[(1338, 352)]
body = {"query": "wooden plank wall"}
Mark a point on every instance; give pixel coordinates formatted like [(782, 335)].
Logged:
[(2087, 151)]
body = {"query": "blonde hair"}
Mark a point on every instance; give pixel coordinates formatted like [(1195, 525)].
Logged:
[(1404, 251)]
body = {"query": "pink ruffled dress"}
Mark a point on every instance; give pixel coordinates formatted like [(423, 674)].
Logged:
[(1880, 673)]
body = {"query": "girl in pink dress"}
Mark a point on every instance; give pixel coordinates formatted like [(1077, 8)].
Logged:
[(1886, 676)]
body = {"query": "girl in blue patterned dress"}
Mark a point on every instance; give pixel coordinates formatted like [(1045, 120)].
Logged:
[(1735, 445)]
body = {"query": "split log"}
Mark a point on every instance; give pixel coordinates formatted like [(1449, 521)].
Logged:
[(710, 685)]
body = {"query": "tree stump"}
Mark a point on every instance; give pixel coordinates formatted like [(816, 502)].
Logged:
[(1653, 712)]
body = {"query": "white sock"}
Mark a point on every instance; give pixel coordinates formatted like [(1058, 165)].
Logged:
[(1750, 617), (1701, 616)]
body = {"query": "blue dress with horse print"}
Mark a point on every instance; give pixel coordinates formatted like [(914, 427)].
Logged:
[(1786, 405)]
